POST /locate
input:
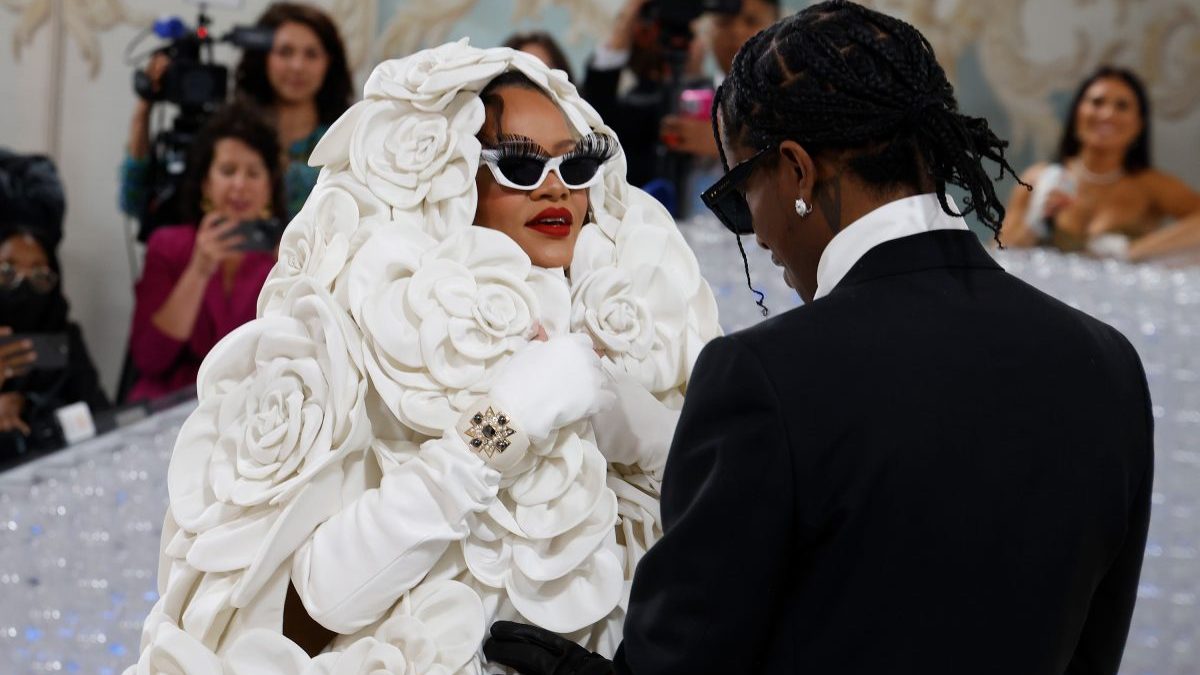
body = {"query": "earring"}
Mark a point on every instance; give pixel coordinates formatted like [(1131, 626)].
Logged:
[(802, 207), (266, 212), (206, 205)]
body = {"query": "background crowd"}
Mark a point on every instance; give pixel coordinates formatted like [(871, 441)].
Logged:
[(210, 229)]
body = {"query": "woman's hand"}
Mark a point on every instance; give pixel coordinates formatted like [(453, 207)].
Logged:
[(1056, 201), (689, 135), (214, 243), (11, 405), (16, 358), (551, 383)]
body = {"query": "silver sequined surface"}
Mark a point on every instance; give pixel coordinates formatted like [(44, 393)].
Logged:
[(79, 530)]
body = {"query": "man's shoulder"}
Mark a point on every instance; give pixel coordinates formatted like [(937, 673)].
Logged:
[(815, 321), (802, 333)]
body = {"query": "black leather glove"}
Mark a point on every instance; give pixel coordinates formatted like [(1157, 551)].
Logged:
[(535, 651)]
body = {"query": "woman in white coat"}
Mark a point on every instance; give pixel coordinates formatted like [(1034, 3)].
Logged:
[(456, 402)]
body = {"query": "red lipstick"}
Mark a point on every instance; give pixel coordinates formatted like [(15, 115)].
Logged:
[(553, 222)]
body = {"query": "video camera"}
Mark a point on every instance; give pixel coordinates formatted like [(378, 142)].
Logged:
[(673, 22), (198, 85), (675, 17)]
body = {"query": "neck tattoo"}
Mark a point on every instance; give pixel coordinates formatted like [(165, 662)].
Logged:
[(829, 198)]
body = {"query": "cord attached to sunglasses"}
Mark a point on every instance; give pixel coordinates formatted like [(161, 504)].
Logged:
[(749, 284)]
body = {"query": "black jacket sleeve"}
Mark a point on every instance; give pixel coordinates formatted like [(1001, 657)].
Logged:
[(600, 90), (701, 597), (1102, 640)]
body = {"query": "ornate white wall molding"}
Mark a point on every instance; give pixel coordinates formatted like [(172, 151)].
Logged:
[(1158, 39), (83, 21)]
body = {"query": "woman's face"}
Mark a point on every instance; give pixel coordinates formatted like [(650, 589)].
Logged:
[(1108, 117), (24, 255), (544, 221), (297, 63), (238, 183)]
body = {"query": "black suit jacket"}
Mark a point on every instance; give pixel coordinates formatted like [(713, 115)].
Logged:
[(934, 469)]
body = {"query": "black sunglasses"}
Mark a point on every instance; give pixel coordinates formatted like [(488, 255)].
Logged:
[(725, 197)]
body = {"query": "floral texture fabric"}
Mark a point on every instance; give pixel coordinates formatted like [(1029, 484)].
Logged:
[(323, 454)]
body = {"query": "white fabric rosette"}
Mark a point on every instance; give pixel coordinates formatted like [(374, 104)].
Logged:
[(432, 78), (281, 403), (439, 317), (172, 651), (547, 541), (435, 630), (322, 238), (637, 290), (419, 162)]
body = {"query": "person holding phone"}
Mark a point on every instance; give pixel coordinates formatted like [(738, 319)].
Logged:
[(201, 279), (690, 132), (44, 363)]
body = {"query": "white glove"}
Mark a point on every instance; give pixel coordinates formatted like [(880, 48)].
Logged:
[(550, 384), (544, 386), (637, 429)]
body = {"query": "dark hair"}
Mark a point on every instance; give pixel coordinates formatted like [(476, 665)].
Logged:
[(840, 77), (242, 121), (31, 198), (511, 78), (1137, 157), (558, 58), (334, 95)]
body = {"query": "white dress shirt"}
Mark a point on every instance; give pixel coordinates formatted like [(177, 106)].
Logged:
[(894, 220)]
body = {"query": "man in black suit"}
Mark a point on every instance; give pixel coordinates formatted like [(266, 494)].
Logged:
[(931, 467)]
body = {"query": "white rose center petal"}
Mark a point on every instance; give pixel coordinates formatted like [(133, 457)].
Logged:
[(498, 309), (621, 316)]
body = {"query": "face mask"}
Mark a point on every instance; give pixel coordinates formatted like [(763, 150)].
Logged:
[(24, 310)]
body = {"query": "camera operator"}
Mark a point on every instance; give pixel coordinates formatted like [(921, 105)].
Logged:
[(202, 278), (725, 35), (33, 382), (635, 115), (641, 116), (303, 82)]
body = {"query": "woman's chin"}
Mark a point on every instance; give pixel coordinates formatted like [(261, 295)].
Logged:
[(245, 214), (550, 260), (549, 253)]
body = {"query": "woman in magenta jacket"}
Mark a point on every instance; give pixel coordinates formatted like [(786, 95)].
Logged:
[(199, 283)]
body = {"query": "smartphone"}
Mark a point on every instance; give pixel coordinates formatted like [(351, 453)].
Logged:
[(258, 235), (696, 103), (52, 349)]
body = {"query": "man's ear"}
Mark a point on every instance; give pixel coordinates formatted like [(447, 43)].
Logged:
[(797, 171)]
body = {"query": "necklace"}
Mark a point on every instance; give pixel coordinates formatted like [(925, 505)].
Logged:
[(1099, 178)]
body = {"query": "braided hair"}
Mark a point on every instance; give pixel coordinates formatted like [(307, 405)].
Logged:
[(838, 77)]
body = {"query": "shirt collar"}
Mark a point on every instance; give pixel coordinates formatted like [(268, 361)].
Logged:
[(901, 218)]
